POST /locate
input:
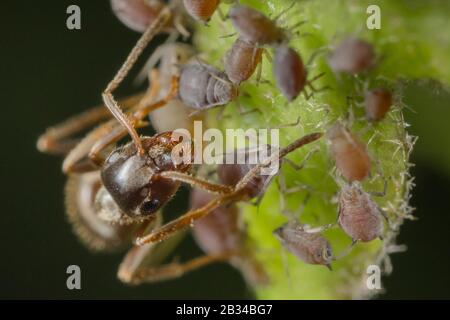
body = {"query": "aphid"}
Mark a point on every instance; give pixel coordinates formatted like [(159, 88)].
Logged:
[(221, 232), (377, 103), (352, 56), (359, 215), (255, 27), (242, 60), (202, 86), (289, 71), (312, 248), (138, 15), (94, 232), (201, 10), (350, 155)]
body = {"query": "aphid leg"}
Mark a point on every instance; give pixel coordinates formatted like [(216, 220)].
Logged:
[(150, 64), (284, 11), (228, 35), (380, 193), (346, 251), (58, 139), (179, 26), (107, 95), (302, 164)]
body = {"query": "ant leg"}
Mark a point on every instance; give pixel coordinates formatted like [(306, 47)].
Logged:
[(76, 160), (107, 95), (171, 270), (56, 139), (195, 182), (238, 194), (188, 218), (108, 133), (142, 110)]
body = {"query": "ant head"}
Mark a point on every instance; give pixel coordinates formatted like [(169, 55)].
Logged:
[(133, 180)]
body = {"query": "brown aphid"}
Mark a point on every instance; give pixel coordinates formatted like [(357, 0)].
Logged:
[(289, 71), (255, 27), (95, 233), (312, 248), (350, 155), (242, 60), (359, 215), (377, 103), (133, 182), (201, 86), (201, 10), (137, 14), (352, 56), (221, 232)]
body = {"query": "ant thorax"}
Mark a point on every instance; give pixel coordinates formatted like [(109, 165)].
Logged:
[(359, 215), (133, 182)]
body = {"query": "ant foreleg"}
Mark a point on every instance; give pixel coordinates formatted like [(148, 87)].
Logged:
[(107, 95)]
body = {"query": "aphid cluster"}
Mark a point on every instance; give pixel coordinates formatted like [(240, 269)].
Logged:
[(115, 194)]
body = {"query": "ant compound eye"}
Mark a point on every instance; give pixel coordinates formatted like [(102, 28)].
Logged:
[(151, 206)]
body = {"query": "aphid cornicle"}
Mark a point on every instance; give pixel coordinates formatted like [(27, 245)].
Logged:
[(312, 248), (242, 60), (359, 215), (253, 26), (350, 155), (352, 56), (289, 71), (201, 86), (221, 232), (377, 103)]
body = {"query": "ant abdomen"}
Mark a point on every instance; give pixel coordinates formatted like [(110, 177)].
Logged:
[(132, 179), (359, 215), (202, 86)]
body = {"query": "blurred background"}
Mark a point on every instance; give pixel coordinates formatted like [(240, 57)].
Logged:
[(49, 73)]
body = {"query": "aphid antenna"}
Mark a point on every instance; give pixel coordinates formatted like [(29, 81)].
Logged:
[(284, 11)]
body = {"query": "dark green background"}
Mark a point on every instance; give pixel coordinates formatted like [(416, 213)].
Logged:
[(49, 73)]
